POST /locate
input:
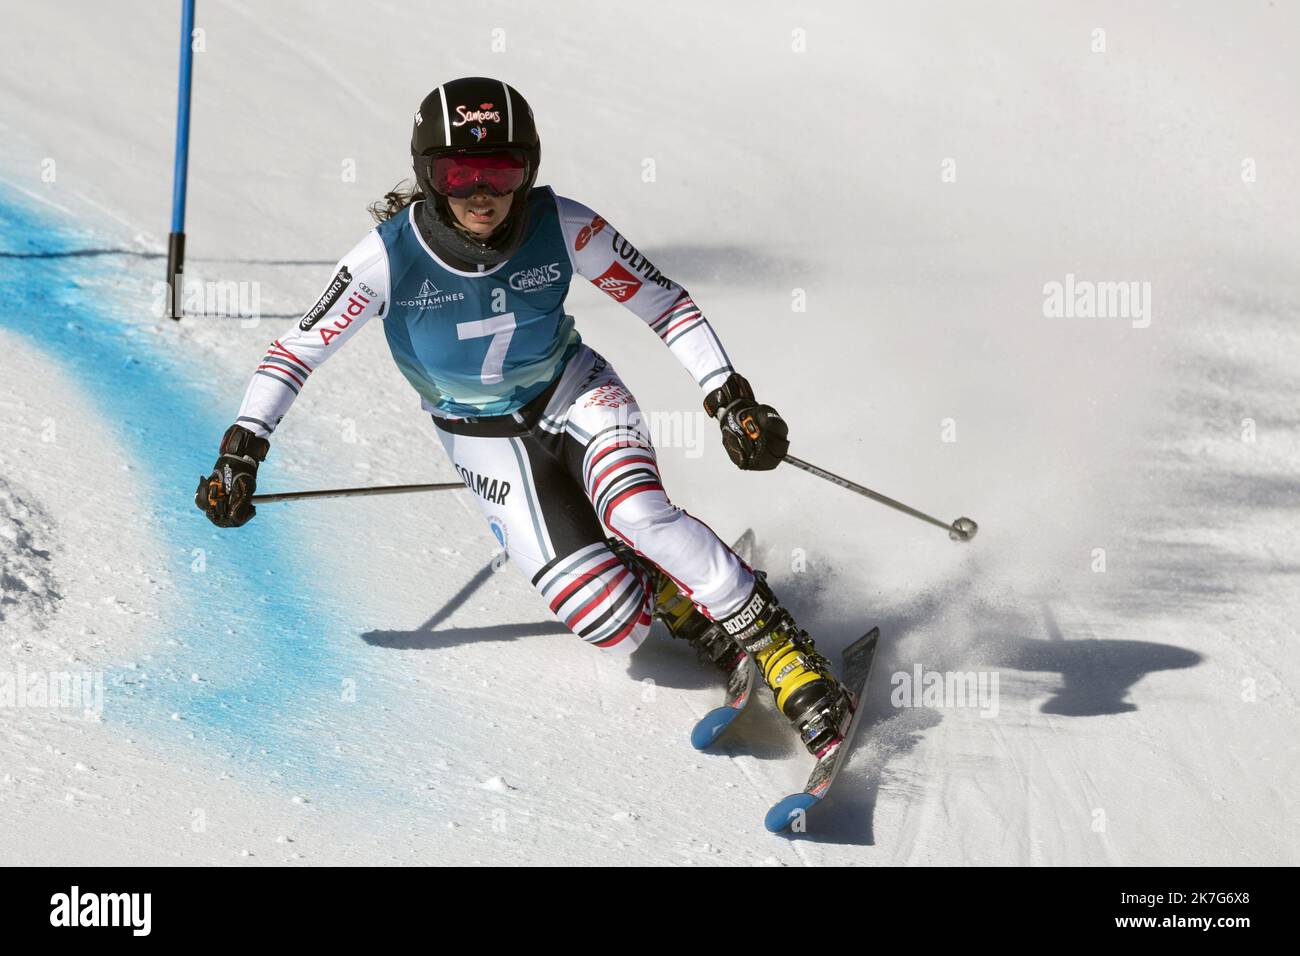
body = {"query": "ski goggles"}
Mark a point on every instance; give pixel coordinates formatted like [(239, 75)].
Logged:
[(461, 175)]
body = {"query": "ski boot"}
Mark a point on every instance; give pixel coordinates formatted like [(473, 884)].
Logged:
[(805, 689), (679, 613)]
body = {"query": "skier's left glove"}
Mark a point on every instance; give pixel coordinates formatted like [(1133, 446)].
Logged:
[(224, 496), (754, 435)]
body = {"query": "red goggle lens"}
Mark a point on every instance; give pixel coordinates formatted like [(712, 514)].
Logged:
[(461, 176)]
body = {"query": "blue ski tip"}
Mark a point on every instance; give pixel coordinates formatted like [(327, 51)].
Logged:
[(787, 811), (711, 726)]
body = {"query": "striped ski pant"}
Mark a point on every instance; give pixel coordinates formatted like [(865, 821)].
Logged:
[(555, 488)]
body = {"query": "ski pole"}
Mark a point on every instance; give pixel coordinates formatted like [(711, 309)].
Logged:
[(962, 529), (354, 492)]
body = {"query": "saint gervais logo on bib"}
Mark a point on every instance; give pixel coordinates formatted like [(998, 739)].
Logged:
[(327, 299), (535, 278), (617, 283), (431, 297)]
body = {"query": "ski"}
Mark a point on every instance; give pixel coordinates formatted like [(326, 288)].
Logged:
[(858, 659), (740, 680)]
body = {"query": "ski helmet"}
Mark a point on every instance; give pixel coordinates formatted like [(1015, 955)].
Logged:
[(474, 114)]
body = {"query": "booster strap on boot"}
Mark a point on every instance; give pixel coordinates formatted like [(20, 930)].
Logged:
[(754, 626)]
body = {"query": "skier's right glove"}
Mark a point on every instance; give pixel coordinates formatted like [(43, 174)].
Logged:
[(224, 496), (754, 436)]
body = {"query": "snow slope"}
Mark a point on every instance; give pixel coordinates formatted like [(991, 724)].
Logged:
[(427, 709)]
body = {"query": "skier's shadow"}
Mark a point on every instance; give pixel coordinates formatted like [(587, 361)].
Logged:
[(672, 663), (667, 662), (427, 637), (1097, 676)]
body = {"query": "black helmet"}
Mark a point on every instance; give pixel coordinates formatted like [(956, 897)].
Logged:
[(474, 115)]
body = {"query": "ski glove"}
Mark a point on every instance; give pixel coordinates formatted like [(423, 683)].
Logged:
[(224, 496), (754, 435)]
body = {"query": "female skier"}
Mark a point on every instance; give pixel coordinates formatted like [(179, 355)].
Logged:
[(469, 274)]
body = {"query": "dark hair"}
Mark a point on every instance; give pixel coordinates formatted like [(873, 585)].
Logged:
[(395, 200)]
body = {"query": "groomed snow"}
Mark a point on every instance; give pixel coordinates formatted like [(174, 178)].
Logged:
[(352, 682)]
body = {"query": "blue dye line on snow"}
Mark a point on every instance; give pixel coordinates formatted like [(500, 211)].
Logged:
[(271, 648)]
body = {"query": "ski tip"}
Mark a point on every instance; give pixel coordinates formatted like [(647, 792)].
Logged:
[(870, 637), (787, 811), (864, 646), (711, 726)]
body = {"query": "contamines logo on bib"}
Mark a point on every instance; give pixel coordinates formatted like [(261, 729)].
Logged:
[(430, 297)]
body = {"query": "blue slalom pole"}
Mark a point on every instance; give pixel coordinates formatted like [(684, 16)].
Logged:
[(176, 240)]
